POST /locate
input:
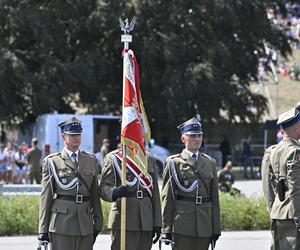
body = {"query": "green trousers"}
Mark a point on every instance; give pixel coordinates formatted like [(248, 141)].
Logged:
[(70, 242), (140, 240), (183, 242), (285, 235)]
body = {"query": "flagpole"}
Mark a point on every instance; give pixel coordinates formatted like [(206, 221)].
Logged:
[(126, 38)]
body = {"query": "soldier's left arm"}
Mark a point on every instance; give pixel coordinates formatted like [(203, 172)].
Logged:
[(46, 199), (108, 179), (167, 199), (95, 200), (216, 221), (156, 204), (293, 176)]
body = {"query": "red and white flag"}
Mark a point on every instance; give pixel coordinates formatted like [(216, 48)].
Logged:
[(135, 128)]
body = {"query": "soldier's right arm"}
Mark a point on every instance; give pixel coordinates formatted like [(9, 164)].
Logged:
[(268, 178), (46, 199), (167, 199), (293, 176), (108, 179), (156, 204)]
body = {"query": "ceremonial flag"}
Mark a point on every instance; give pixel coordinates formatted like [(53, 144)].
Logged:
[(135, 128)]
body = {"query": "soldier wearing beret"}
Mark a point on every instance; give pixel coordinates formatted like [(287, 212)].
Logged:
[(70, 211), (190, 198), (143, 208), (285, 163)]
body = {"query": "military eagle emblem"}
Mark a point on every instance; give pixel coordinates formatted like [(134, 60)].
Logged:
[(125, 26)]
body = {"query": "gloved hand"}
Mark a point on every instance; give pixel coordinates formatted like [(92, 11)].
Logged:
[(215, 237), (96, 232), (298, 238), (156, 231), (167, 236), (43, 237), (120, 191)]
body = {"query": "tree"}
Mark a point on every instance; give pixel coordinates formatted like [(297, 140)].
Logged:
[(59, 56), (194, 57), (206, 57)]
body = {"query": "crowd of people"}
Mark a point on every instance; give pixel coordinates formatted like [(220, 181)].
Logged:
[(20, 164), (290, 25)]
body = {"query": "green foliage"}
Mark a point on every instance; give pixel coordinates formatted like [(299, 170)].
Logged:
[(59, 54), (105, 211), (19, 215), (206, 53), (240, 213), (194, 57)]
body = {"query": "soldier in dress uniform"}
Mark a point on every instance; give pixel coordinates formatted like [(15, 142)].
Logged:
[(269, 189), (34, 157), (143, 208), (285, 162), (190, 198), (70, 210)]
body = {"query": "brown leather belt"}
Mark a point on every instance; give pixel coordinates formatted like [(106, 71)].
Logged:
[(77, 198), (196, 199)]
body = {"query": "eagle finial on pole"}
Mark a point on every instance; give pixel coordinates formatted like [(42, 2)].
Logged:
[(127, 27)]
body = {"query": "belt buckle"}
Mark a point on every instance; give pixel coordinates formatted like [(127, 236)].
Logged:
[(79, 198), (199, 200), (139, 194)]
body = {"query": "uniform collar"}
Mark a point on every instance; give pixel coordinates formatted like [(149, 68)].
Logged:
[(187, 156), (191, 153), (288, 139), (70, 153)]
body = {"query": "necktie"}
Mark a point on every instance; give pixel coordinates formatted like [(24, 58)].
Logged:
[(194, 156), (74, 158)]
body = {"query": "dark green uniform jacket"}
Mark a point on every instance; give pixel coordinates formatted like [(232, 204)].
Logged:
[(181, 214), (64, 216)]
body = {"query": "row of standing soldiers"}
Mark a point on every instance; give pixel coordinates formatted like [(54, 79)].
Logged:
[(70, 209), (281, 183)]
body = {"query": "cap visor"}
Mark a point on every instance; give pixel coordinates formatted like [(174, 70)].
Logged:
[(73, 132), (198, 132)]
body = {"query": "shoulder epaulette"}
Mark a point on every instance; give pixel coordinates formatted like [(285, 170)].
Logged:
[(271, 147), (88, 153), (149, 154), (52, 155), (173, 156), (207, 157), (114, 152)]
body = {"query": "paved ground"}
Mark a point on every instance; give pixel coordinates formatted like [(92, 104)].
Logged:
[(245, 240), (250, 188)]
